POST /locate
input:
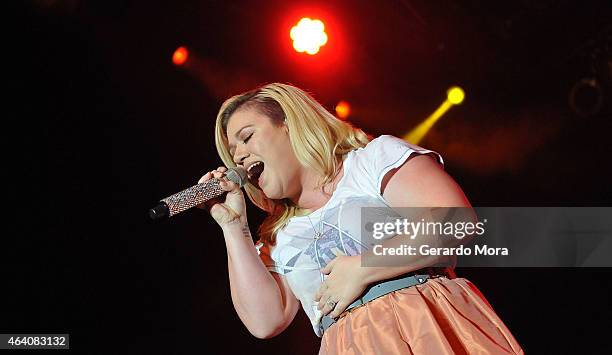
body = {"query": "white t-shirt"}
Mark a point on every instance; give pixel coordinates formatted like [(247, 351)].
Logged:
[(299, 256)]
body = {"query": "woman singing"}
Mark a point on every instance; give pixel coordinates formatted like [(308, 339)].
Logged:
[(312, 173)]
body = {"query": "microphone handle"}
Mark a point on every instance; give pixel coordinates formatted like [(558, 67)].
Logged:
[(186, 199)]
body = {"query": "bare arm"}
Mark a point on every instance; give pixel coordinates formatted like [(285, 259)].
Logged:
[(263, 300), (419, 182)]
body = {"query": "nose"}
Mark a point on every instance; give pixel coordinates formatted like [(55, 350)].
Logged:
[(239, 155)]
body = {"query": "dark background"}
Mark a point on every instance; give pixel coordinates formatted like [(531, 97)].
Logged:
[(100, 125)]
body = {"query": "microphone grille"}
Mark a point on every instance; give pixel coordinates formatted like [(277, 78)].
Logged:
[(237, 175)]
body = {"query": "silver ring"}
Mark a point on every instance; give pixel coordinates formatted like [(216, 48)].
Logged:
[(331, 303)]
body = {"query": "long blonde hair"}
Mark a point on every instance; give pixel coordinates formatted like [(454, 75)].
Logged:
[(319, 140)]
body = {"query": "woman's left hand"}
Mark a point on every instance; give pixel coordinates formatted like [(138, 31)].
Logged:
[(344, 283)]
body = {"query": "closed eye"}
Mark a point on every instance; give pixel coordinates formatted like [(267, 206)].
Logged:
[(248, 138)]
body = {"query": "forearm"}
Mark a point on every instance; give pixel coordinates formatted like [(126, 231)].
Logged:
[(255, 294)]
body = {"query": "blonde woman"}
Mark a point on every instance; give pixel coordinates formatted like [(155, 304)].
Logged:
[(312, 173)]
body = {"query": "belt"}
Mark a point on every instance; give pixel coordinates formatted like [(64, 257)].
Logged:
[(380, 289)]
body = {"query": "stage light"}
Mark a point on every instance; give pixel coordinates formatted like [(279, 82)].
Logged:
[(343, 110), (455, 95), (308, 36), (180, 56)]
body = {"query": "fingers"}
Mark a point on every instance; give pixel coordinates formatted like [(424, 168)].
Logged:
[(337, 311), (217, 173), (322, 296), (202, 180), (323, 302), (227, 185), (206, 177), (328, 306), (320, 292), (328, 268)]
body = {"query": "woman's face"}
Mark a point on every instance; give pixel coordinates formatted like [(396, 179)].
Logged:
[(263, 148)]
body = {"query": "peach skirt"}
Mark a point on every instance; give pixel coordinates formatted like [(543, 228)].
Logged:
[(441, 316)]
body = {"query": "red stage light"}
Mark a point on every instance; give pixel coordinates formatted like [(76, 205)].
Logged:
[(343, 109), (308, 36), (180, 56)]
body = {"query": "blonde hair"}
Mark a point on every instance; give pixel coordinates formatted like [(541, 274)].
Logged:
[(319, 140)]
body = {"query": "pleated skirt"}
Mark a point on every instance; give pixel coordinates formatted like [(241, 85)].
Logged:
[(441, 316)]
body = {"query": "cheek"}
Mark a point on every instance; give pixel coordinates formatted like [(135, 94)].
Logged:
[(285, 156), (274, 146)]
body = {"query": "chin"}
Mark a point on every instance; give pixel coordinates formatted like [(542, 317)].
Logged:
[(272, 194)]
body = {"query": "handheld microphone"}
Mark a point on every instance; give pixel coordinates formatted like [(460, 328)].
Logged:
[(196, 195)]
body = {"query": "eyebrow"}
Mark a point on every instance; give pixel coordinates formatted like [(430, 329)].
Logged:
[(233, 146)]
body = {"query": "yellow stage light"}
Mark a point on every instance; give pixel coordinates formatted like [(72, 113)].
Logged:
[(455, 95)]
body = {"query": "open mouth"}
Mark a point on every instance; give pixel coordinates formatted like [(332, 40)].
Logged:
[(254, 171)]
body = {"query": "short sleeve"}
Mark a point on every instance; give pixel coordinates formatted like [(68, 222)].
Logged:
[(265, 254), (385, 153)]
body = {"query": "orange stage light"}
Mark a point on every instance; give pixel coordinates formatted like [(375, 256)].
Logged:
[(343, 109), (180, 56)]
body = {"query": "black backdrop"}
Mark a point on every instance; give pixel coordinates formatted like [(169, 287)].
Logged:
[(100, 125)]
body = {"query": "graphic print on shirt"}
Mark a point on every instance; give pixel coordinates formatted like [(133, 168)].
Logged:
[(292, 261), (333, 242)]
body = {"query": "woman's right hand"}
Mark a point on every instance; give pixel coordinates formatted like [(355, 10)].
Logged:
[(228, 209)]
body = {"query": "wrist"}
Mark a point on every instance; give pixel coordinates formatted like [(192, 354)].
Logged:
[(237, 227), (364, 273)]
